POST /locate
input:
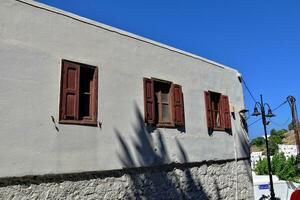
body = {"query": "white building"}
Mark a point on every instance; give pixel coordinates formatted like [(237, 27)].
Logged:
[(255, 157), (91, 111), (288, 150), (282, 189)]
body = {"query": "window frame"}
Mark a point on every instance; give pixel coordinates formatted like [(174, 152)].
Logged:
[(214, 111), (224, 110), (153, 114), (159, 122), (93, 110)]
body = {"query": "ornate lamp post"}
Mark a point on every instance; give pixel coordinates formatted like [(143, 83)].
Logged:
[(261, 105)]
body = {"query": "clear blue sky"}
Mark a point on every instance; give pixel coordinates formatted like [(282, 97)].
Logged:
[(261, 39)]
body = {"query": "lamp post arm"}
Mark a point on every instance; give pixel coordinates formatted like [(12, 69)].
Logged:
[(259, 104), (266, 104)]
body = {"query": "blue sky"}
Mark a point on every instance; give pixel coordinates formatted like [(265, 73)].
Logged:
[(261, 39)]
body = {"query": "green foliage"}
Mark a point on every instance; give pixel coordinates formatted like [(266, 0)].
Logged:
[(273, 131), (273, 146), (261, 168), (259, 141), (281, 132), (275, 138), (278, 163), (290, 171), (285, 169), (291, 126)]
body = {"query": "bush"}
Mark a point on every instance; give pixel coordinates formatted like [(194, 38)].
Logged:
[(259, 141), (261, 167), (285, 169)]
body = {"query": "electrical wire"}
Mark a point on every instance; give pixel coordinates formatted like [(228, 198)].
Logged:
[(254, 100), (254, 122), (287, 121), (248, 90), (280, 105), (280, 125)]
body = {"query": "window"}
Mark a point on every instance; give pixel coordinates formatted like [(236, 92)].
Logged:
[(163, 103), (217, 111), (78, 95)]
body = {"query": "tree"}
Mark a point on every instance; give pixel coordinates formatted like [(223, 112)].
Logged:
[(273, 131), (281, 132), (278, 163), (290, 171), (277, 136), (275, 139), (261, 167), (259, 141), (285, 169), (273, 146)]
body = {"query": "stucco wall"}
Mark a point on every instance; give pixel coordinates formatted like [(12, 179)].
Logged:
[(33, 42)]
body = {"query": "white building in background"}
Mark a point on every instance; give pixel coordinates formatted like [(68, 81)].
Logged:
[(287, 150), (255, 156)]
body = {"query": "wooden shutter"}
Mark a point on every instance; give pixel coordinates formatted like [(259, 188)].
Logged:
[(178, 107), (225, 112), (94, 104), (149, 103), (69, 105), (208, 110)]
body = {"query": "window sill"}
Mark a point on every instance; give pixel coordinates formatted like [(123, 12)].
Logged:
[(165, 125), (218, 129), (79, 122)]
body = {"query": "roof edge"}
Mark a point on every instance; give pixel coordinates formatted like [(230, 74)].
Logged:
[(121, 32)]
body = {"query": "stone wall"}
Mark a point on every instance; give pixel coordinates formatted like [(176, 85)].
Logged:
[(207, 180)]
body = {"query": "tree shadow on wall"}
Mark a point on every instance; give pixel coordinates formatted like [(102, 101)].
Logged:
[(159, 180)]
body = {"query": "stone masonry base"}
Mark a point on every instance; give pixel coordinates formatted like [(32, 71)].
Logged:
[(207, 180)]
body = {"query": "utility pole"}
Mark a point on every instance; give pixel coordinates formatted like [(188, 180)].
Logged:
[(295, 122)]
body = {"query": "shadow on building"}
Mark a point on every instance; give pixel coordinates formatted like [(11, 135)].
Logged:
[(160, 179)]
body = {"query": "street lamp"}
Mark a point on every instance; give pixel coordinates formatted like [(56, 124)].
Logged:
[(261, 105)]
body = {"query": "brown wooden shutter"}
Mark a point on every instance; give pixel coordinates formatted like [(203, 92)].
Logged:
[(95, 96), (70, 91), (208, 110), (225, 112), (149, 103), (178, 107)]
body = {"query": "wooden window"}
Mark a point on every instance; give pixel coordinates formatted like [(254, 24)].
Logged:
[(78, 96), (217, 111), (163, 103)]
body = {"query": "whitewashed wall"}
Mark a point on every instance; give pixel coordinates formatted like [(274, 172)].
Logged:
[(34, 40)]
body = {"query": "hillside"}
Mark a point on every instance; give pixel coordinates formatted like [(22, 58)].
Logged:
[(277, 137), (289, 138), (283, 166)]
